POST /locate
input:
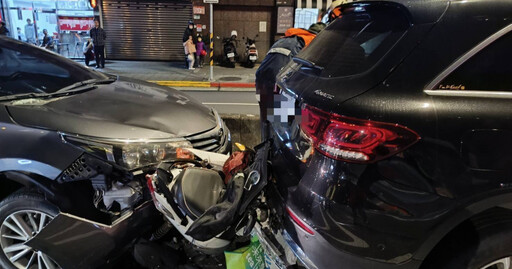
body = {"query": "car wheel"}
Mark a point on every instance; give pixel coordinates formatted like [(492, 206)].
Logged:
[(487, 248), (22, 216)]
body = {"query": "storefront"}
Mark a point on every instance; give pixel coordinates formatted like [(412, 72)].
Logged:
[(145, 30), (67, 21)]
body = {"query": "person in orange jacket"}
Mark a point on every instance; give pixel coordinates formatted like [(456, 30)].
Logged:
[(279, 55)]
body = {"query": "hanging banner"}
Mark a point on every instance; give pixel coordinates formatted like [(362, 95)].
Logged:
[(76, 23)]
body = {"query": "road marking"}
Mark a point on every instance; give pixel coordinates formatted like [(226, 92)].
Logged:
[(201, 84), (231, 104)]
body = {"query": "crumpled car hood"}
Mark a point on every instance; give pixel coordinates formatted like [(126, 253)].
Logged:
[(125, 109)]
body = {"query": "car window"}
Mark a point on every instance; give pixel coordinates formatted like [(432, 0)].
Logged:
[(355, 42), (488, 70), (26, 69)]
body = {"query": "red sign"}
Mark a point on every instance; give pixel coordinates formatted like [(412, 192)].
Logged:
[(199, 10), (76, 23)]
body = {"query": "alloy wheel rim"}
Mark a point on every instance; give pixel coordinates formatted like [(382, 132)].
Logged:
[(17, 229), (504, 263)]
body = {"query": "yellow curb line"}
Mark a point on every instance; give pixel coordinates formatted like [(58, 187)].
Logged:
[(203, 84)]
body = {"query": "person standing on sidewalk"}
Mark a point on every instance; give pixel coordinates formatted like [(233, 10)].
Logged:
[(88, 52), (200, 51), (190, 51), (98, 36), (48, 42), (19, 35), (30, 32), (3, 29), (189, 31)]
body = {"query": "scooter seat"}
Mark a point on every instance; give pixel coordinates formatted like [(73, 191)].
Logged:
[(196, 190)]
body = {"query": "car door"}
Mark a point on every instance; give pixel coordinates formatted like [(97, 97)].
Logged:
[(473, 103)]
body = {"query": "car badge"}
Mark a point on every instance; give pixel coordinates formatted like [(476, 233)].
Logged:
[(324, 94)]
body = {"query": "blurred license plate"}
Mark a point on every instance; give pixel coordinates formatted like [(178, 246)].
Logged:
[(231, 55), (253, 58)]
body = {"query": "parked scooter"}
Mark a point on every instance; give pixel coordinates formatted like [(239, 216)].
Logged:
[(251, 53), (229, 48)]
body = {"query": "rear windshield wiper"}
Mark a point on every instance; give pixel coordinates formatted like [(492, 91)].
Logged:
[(307, 63), (85, 83)]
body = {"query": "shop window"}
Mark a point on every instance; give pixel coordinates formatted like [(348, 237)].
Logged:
[(488, 70)]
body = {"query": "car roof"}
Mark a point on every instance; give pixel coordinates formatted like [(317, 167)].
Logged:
[(421, 11), (428, 11)]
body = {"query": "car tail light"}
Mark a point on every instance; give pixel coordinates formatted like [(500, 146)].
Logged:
[(299, 222), (354, 140)]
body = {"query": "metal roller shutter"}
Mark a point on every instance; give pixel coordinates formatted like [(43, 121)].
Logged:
[(143, 30)]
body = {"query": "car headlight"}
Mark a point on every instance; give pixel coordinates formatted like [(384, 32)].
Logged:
[(129, 154), (138, 155)]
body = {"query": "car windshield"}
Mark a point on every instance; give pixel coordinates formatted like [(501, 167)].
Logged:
[(355, 42), (25, 69)]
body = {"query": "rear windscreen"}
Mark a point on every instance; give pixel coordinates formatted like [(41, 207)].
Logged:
[(355, 42)]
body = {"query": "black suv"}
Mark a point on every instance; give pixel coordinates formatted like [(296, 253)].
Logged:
[(402, 155), (63, 127)]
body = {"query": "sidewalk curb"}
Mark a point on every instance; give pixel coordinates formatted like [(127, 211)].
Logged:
[(204, 84)]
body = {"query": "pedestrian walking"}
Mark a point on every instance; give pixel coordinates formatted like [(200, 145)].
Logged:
[(190, 51), (98, 36), (3, 29), (30, 32), (19, 35), (200, 51), (88, 51)]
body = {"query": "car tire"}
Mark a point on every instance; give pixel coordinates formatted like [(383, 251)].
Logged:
[(27, 209), (477, 248)]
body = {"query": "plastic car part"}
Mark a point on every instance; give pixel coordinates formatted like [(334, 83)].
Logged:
[(85, 167), (125, 195)]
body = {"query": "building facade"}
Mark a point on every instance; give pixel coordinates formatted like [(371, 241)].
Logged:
[(153, 29), (67, 21)]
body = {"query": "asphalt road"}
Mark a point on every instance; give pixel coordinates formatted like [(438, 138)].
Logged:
[(228, 102)]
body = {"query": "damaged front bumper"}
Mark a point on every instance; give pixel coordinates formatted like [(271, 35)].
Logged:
[(75, 242)]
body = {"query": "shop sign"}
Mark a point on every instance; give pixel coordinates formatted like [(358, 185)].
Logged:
[(284, 19), (285, 2), (199, 10), (76, 23), (211, 1)]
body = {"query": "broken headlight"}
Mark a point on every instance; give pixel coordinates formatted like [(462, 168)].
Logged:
[(138, 155), (129, 154)]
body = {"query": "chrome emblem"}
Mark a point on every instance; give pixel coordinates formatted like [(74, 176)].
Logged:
[(324, 94)]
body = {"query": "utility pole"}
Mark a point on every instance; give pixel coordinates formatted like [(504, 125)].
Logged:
[(211, 2), (211, 42)]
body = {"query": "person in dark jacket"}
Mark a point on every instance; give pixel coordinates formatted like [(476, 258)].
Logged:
[(98, 36), (48, 42), (279, 55), (189, 32), (3, 29)]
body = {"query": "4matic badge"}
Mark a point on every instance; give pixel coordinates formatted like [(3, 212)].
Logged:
[(325, 95)]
